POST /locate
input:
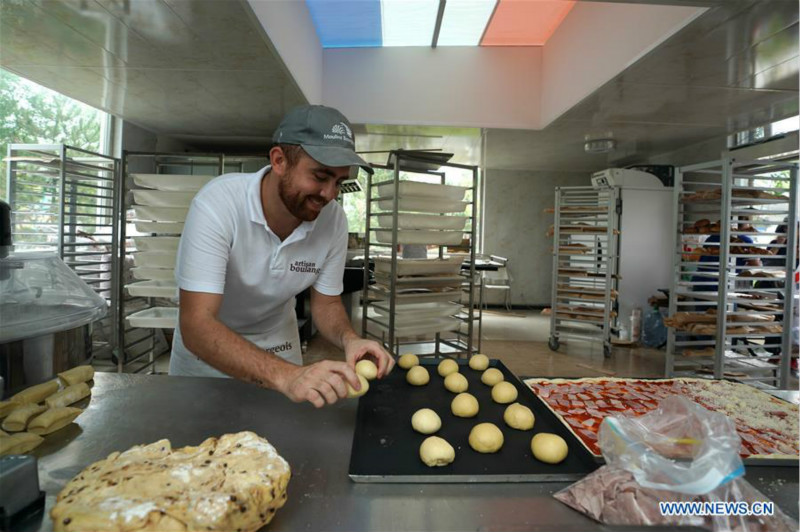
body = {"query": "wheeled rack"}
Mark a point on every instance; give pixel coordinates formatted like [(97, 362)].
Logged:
[(585, 263), (410, 203), (148, 292), (66, 198), (731, 299)]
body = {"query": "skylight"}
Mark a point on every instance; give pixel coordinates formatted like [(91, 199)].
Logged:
[(377, 23)]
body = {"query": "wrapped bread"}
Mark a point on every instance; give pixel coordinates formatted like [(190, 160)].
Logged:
[(19, 443), (235, 482), (705, 352), (36, 394), (69, 395), (3, 433), (6, 407), (18, 419), (53, 419), (76, 375)]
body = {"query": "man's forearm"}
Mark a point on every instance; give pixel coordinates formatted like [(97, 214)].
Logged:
[(332, 321), (229, 352)]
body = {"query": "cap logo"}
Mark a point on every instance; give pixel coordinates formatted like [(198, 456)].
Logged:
[(340, 131)]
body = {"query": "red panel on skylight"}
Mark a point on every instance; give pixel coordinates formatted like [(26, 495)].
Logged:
[(525, 22)]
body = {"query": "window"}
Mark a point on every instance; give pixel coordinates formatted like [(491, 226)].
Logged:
[(755, 135), (32, 114)]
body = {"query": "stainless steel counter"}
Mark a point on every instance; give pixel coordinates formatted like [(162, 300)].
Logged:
[(126, 410)]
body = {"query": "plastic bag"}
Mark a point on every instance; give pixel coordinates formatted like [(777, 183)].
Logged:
[(654, 332), (678, 453)]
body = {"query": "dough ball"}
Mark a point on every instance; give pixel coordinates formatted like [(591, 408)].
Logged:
[(479, 362), (418, 376), (408, 361), (549, 448), (367, 369), (456, 383), (486, 438), (519, 417), (364, 387), (435, 451), (464, 405), (426, 421), (447, 366), (491, 376), (504, 393)]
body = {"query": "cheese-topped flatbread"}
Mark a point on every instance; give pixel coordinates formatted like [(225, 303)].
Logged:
[(767, 426)]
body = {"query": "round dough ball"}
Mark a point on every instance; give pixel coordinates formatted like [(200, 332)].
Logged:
[(408, 361), (549, 448), (486, 438), (447, 366), (367, 369), (491, 376), (456, 383), (464, 405), (479, 362), (426, 421), (418, 376), (504, 393), (519, 417), (435, 451), (364, 387)]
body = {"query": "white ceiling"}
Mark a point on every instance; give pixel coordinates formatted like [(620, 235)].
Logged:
[(206, 72)]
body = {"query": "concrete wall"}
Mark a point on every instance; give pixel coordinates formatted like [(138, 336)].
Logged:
[(515, 227)]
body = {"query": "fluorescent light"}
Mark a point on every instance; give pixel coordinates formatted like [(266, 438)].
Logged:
[(409, 22), (464, 22)]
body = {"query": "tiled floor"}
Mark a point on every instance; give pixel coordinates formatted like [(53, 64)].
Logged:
[(519, 340)]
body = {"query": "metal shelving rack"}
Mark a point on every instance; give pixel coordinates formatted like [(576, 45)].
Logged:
[(585, 264), (141, 347), (747, 306), (65, 199), (461, 342)]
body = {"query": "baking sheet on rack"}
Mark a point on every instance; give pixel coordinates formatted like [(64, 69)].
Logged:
[(386, 448)]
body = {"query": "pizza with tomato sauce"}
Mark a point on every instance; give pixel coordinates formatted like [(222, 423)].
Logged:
[(767, 426)]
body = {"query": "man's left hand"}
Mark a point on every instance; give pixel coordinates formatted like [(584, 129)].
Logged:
[(356, 349)]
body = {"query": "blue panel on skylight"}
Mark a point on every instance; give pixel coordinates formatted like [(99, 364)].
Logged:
[(347, 23)]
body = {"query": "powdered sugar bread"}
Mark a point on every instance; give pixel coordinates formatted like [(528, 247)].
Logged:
[(235, 482)]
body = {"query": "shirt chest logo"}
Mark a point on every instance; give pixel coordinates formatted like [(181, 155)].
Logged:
[(302, 266)]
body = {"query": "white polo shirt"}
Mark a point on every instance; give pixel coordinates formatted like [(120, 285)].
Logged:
[(227, 248)]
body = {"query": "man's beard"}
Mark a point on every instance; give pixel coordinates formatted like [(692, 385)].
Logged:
[(297, 203)]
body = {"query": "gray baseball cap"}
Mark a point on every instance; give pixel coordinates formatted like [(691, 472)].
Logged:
[(324, 133)]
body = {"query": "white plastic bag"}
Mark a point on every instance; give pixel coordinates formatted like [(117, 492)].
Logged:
[(680, 447), (678, 453)]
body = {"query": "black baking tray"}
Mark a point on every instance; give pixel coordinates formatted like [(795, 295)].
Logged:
[(386, 448)]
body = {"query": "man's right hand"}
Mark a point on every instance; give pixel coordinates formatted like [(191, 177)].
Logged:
[(319, 383)]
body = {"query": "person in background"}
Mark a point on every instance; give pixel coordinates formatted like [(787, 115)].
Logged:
[(251, 243), (711, 283), (778, 248)]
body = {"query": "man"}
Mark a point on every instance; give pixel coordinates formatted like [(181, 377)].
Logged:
[(252, 242), (712, 242)]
